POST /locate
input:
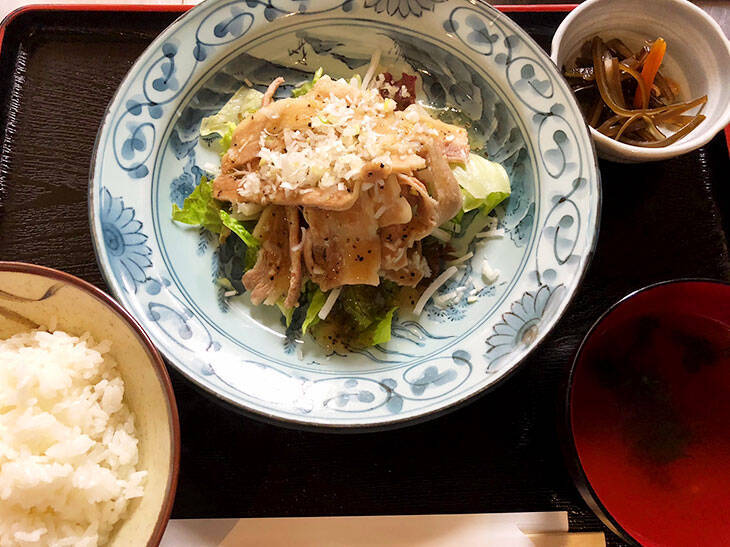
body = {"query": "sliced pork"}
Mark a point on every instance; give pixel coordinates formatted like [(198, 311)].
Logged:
[(268, 280), (269, 94), (441, 183), (342, 247), (369, 180), (390, 206), (295, 258), (413, 271), (397, 239)]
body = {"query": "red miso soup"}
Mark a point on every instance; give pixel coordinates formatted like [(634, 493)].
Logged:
[(650, 414)]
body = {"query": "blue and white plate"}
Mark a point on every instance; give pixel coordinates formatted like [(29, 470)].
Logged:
[(468, 55)]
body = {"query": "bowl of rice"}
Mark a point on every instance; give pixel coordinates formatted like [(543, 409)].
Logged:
[(89, 432)]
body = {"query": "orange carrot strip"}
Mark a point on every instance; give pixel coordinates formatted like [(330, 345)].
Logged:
[(648, 72)]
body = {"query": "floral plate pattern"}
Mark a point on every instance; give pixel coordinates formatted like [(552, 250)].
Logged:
[(518, 111)]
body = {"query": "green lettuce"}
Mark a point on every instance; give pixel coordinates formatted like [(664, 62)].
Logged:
[(252, 244), (484, 183), (288, 313), (316, 300), (244, 101), (472, 224), (200, 208), (378, 332), (363, 315), (237, 227), (306, 87), (359, 309), (368, 312), (225, 283), (226, 138), (220, 126)]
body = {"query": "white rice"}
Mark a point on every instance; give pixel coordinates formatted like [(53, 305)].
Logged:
[(68, 449)]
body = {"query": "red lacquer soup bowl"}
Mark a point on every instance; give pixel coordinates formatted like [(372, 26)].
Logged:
[(648, 415)]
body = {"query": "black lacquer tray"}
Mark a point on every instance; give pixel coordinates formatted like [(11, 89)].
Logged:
[(665, 220)]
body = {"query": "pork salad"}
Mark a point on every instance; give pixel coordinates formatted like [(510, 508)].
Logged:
[(350, 201)]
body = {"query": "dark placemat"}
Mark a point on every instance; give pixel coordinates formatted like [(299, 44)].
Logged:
[(501, 453)]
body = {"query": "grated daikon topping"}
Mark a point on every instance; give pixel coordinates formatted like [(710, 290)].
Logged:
[(352, 129), (489, 274)]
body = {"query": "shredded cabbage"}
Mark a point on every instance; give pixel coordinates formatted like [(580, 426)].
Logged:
[(484, 183)]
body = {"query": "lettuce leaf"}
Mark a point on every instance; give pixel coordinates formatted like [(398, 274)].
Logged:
[(288, 313), (252, 244), (237, 227), (472, 224), (200, 208), (484, 183), (244, 101), (359, 309), (226, 139), (306, 87), (362, 315), (316, 300), (378, 332), (218, 129), (368, 312)]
